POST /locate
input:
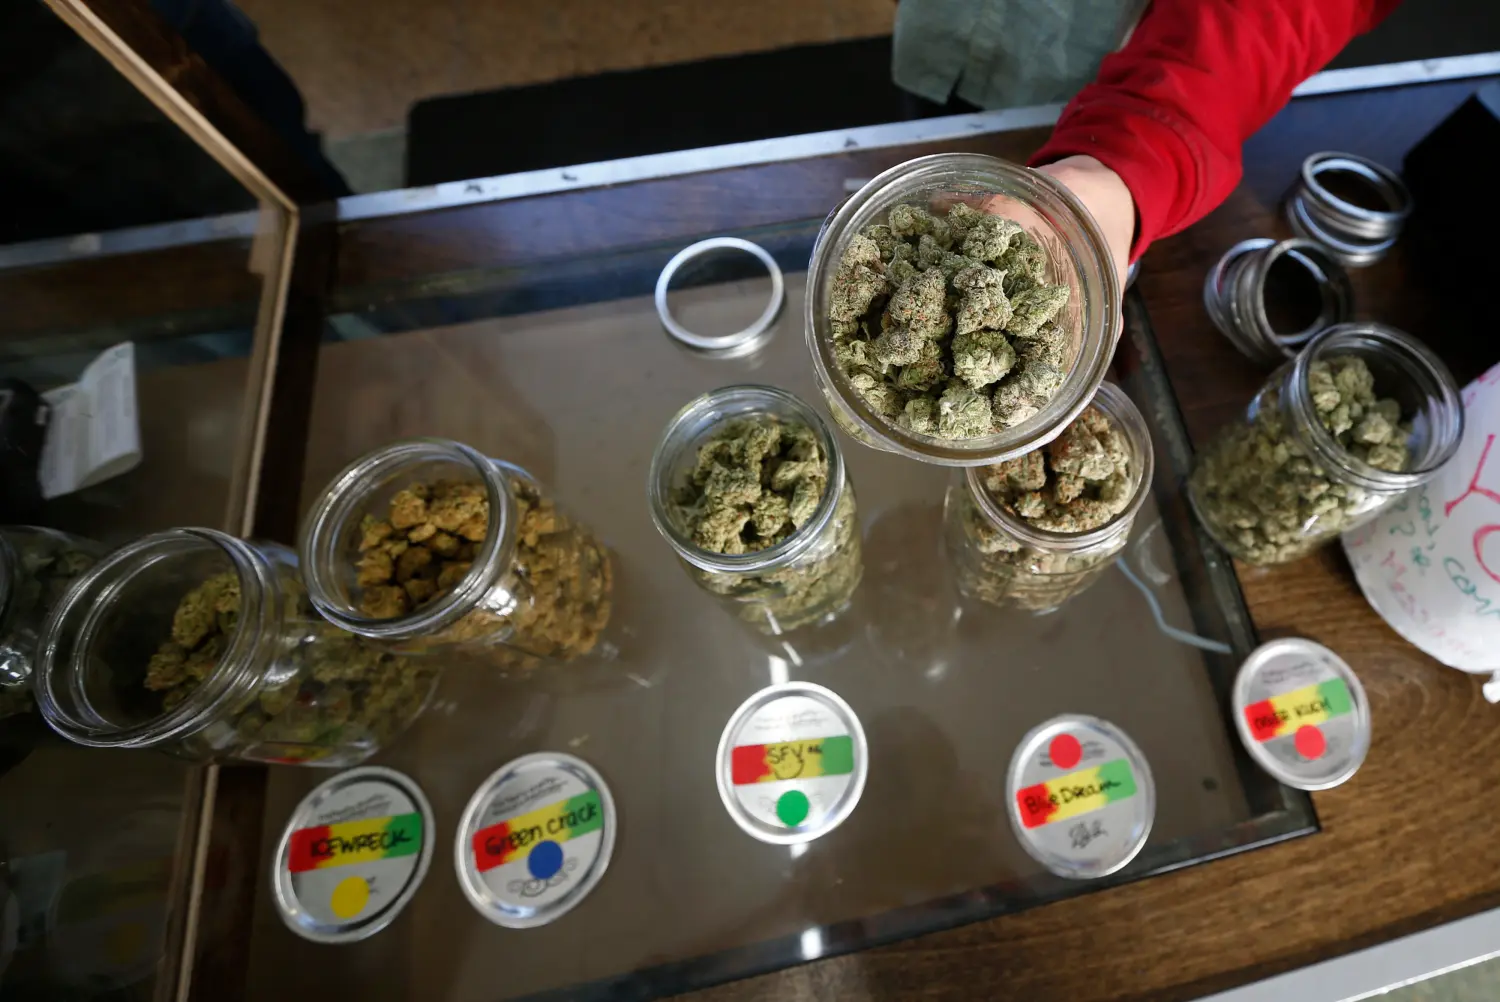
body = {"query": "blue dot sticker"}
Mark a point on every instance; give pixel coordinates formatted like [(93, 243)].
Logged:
[(544, 860)]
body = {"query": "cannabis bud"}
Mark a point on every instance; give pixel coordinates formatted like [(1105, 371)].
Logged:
[(757, 482), (1262, 494), (944, 324)]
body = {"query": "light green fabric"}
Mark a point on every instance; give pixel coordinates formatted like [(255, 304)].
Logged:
[(1005, 53)]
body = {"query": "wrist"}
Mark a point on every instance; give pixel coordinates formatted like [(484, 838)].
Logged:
[(1107, 199)]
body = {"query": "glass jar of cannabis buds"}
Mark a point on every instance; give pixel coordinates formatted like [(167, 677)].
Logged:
[(1035, 531), (748, 486), (36, 567), (198, 643), (1363, 414), (428, 545), (961, 310)]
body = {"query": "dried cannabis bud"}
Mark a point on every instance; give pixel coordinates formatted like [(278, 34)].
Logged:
[(422, 549), (330, 695), (1077, 484), (757, 482), (427, 545), (944, 325), (46, 563), (1261, 494)]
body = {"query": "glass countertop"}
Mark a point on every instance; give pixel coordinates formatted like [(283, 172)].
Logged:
[(564, 369)]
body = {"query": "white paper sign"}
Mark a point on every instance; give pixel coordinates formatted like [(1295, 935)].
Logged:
[(1430, 564), (94, 431)]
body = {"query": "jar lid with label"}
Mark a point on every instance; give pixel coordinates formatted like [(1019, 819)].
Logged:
[(1081, 797), (1302, 713), (535, 839), (792, 763), (353, 854)]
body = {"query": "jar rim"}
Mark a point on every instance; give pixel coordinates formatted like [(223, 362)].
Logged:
[(342, 499), (70, 631), (1419, 361), (1120, 409), (1089, 258), (675, 438)]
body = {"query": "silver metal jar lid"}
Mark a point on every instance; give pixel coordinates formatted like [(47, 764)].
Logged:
[(1234, 294), (1356, 234), (1081, 796), (535, 839), (739, 343), (1302, 713), (353, 854), (792, 763)]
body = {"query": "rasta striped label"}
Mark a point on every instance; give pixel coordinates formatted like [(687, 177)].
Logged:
[(808, 759), (354, 842), (1309, 706), (1076, 793), (513, 839)]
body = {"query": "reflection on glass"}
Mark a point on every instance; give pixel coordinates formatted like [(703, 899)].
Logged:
[(117, 228)]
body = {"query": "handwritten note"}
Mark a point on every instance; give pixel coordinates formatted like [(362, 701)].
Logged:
[(1430, 563)]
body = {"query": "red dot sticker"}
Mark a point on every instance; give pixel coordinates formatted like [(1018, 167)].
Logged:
[(1310, 742), (1065, 751)]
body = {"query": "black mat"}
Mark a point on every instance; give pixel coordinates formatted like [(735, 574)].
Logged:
[(807, 88)]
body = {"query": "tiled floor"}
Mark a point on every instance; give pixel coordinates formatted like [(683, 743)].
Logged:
[(362, 63)]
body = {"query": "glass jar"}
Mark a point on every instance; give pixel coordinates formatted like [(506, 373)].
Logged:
[(1001, 558), (806, 578), (198, 643), (1276, 484), (36, 567), (1077, 257), (503, 568)]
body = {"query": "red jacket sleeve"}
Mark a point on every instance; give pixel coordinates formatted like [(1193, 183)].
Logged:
[(1170, 111)]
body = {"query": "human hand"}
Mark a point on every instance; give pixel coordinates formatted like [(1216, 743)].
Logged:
[(1107, 199)]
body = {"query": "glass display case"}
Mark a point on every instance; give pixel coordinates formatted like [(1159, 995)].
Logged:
[(562, 367), (121, 229)]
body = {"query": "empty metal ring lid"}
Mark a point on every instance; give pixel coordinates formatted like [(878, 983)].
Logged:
[(535, 839), (1080, 796), (1354, 219), (1302, 713), (792, 763), (353, 854), (1358, 222), (1348, 252), (1217, 291), (738, 343), (1334, 290)]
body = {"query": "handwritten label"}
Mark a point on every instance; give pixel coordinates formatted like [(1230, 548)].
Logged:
[(1430, 563), (513, 839), (807, 759)]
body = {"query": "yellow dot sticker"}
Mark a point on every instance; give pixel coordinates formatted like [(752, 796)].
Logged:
[(350, 897)]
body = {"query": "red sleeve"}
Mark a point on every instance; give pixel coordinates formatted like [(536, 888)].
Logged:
[(1170, 111)]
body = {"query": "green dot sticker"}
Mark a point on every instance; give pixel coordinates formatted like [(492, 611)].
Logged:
[(792, 808)]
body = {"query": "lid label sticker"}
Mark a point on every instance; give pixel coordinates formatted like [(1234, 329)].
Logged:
[(350, 842), (1076, 793), (1306, 707), (808, 759), (515, 838)]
